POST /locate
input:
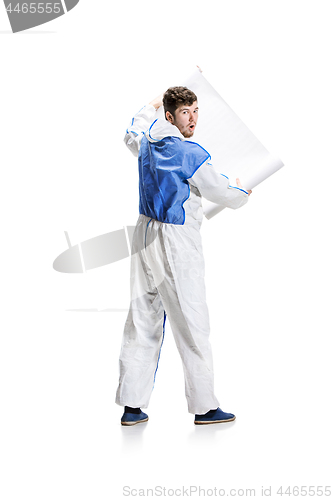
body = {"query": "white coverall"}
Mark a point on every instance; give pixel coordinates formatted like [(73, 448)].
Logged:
[(167, 280)]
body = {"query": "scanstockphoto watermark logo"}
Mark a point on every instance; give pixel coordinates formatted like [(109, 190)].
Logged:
[(189, 491), (25, 15), (147, 249)]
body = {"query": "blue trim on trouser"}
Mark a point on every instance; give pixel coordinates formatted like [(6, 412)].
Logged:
[(159, 354), (147, 230)]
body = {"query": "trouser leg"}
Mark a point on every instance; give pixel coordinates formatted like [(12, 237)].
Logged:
[(143, 332), (176, 259)]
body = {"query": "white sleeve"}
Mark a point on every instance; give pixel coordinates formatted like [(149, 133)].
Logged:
[(215, 187), (138, 126)]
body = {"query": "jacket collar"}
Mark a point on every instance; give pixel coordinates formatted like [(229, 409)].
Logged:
[(160, 129)]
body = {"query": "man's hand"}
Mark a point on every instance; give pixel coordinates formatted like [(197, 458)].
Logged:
[(238, 182), (157, 102)]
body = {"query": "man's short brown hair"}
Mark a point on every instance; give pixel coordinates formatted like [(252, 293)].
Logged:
[(178, 96)]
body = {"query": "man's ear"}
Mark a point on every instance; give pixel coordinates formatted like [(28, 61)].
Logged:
[(169, 117)]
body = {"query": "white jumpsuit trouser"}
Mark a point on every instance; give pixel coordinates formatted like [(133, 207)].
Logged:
[(167, 277)]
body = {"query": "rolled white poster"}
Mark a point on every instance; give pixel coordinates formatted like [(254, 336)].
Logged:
[(234, 149)]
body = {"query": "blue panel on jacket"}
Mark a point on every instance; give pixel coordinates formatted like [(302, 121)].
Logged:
[(164, 168)]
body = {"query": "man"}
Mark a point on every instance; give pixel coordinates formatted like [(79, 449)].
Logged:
[(167, 266)]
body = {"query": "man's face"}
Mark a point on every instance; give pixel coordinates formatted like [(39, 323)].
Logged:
[(186, 118)]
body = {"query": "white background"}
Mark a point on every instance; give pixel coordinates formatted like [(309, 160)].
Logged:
[(68, 91)]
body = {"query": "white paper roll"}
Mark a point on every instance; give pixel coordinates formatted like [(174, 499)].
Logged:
[(234, 149)]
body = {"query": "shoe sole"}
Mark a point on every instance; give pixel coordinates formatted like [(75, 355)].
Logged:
[(134, 423), (198, 422)]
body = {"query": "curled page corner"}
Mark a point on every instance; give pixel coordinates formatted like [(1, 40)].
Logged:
[(257, 173)]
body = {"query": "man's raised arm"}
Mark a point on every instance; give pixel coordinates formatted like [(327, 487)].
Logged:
[(140, 123)]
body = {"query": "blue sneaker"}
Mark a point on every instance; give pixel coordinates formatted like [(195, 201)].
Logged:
[(133, 418), (214, 417)]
